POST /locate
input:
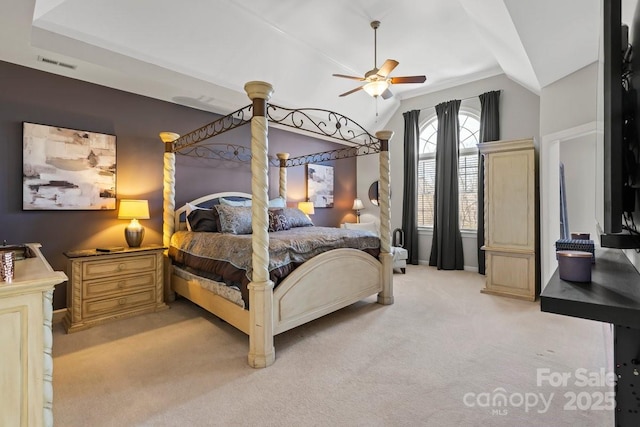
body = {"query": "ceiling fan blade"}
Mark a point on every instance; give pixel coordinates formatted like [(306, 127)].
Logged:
[(387, 67), (351, 91), (349, 77), (386, 94), (408, 79)]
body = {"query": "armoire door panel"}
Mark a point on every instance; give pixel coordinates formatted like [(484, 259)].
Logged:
[(510, 218)]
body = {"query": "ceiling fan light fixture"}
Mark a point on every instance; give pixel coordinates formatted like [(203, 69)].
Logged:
[(376, 88), (377, 79)]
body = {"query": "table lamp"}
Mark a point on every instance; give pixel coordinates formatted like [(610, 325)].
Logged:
[(133, 210), (357, 205), (306, 207)]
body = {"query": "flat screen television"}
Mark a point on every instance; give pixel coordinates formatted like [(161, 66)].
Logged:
[(620, 132)]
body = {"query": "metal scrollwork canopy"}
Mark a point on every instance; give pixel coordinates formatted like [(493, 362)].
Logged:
[(230, 121), (327, 124)]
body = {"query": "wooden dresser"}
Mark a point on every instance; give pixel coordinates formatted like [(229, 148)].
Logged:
[(104, 286), (511, 219), (26, 366)]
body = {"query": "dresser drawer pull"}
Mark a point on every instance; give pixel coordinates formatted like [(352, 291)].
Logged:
[(121, 285), (122, 301), (121, 267)]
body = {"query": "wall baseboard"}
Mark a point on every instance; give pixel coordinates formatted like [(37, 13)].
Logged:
[(58, 315)]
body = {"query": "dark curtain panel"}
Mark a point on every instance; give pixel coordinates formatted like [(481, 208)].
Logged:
[(409, 221), (446, 247), (489, 131)]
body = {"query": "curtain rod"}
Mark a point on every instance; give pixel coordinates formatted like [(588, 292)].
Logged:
[(463, 99)]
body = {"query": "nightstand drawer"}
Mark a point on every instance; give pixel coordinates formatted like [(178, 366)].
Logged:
[(119, 266), (110, 306), (102, 288)]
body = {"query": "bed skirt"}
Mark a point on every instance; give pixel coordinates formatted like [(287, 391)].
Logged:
[(230, 293)]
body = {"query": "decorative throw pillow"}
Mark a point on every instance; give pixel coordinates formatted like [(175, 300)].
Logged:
[(190, 208), (278, 220), (234, 219), (278, 202), (228, 202), (297, 218), (203, 220)]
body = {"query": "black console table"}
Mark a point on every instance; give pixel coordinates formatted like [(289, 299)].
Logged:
[(613, 296)]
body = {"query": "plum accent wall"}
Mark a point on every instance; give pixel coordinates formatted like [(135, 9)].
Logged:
[(39, 97)]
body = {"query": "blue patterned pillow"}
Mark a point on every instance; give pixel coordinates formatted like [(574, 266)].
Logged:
[(234, 219), (297, 218)]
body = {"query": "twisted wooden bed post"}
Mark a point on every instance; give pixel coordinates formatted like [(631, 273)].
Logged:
[(283, 175), (169, 206), (261, 350), (386, 296)]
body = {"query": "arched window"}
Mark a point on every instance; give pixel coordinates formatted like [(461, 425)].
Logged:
[(467, 171)]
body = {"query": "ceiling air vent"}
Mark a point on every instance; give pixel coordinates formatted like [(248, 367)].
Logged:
[(63, 64), (58, 63)]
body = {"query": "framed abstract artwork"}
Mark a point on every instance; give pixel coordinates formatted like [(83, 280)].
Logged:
[(320, 185), (67, 169)]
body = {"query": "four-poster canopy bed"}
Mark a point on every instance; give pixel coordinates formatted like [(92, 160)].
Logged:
[(320, 285)]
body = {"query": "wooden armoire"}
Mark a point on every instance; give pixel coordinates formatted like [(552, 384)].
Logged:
[(512, 265)]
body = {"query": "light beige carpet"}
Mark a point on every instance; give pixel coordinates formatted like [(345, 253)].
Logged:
[(442, 355)]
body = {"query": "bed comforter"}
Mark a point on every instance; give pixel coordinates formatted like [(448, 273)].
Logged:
[(226, 257)]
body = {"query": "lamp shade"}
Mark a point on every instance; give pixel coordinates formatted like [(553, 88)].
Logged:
[(306, 207), (133, 209), (376, 87), (357, 205)]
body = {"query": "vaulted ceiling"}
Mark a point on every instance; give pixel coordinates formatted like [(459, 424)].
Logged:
[(200, 53)]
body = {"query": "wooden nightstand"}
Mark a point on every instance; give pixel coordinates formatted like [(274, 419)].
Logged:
[(104, 286)]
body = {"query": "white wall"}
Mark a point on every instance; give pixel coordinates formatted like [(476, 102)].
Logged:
[(569, 133), (570, 101), (519, 118), (579, 158)]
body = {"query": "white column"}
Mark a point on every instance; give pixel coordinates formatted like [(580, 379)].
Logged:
[(386, 296), (261, 350), (168, 205)]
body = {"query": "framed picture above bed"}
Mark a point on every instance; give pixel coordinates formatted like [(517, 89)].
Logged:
[(320, 185), (67, 169)]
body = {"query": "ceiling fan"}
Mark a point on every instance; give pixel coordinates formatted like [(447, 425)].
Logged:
[(378, 80)]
